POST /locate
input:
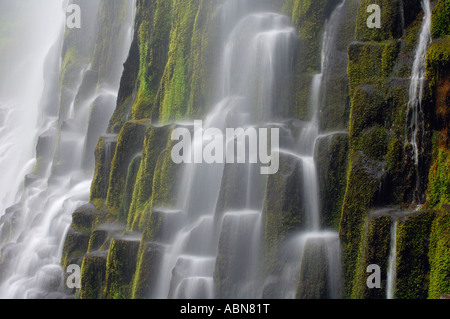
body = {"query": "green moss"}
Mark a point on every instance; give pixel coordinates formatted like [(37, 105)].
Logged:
[(373, 142), (129, 144), (362, 186), (332, 162), (365, 63), (93, 272), (313, 279), (100, 182), (366, 111), (374, 249), (413, 240), (173, 95), (75, 247), (147, 269), (133, 169), (155, 142), (154, 22), (439, 255), (201, 59), (390, 21), (389, 56), (175, 51), (120, 267), (438, 60), (438, 193), (164, 190), (441, 15), (85, 218), (309, 17)]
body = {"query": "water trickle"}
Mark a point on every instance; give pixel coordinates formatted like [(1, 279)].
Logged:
[(392, 263), (416, 90)]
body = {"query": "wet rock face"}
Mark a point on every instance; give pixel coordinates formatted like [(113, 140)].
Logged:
[(364, 165), (121, 266)]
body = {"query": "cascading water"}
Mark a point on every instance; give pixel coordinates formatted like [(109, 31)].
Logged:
[(22, 69), (33, 230), (258, 51), (207, 242), (314, 248), (416, 90), (392, 264)]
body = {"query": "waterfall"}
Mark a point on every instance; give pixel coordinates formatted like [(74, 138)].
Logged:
[(257, 54), (314, 247), (392, 264), (23, 70), (209, 243), (33, 230), (418, 74)]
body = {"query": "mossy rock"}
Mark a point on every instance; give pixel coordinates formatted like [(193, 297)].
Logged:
[(93, 273), (313, 281), (154, 21), (147, 270), (309, 17), (390, 21), (121, 266), (75, 247), (129, 144), (234, 267), (132, 173), (365, 63), (363, 181), (331, 157), (284, 210), (101, 236), (155, 186), (163, 222), (438, 76), (374, 249), (440, 27), (438, 254), (335, 107), (413, 265), (85, 218), (104, 153), (367, 108), (373, 142), (438, 193)]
